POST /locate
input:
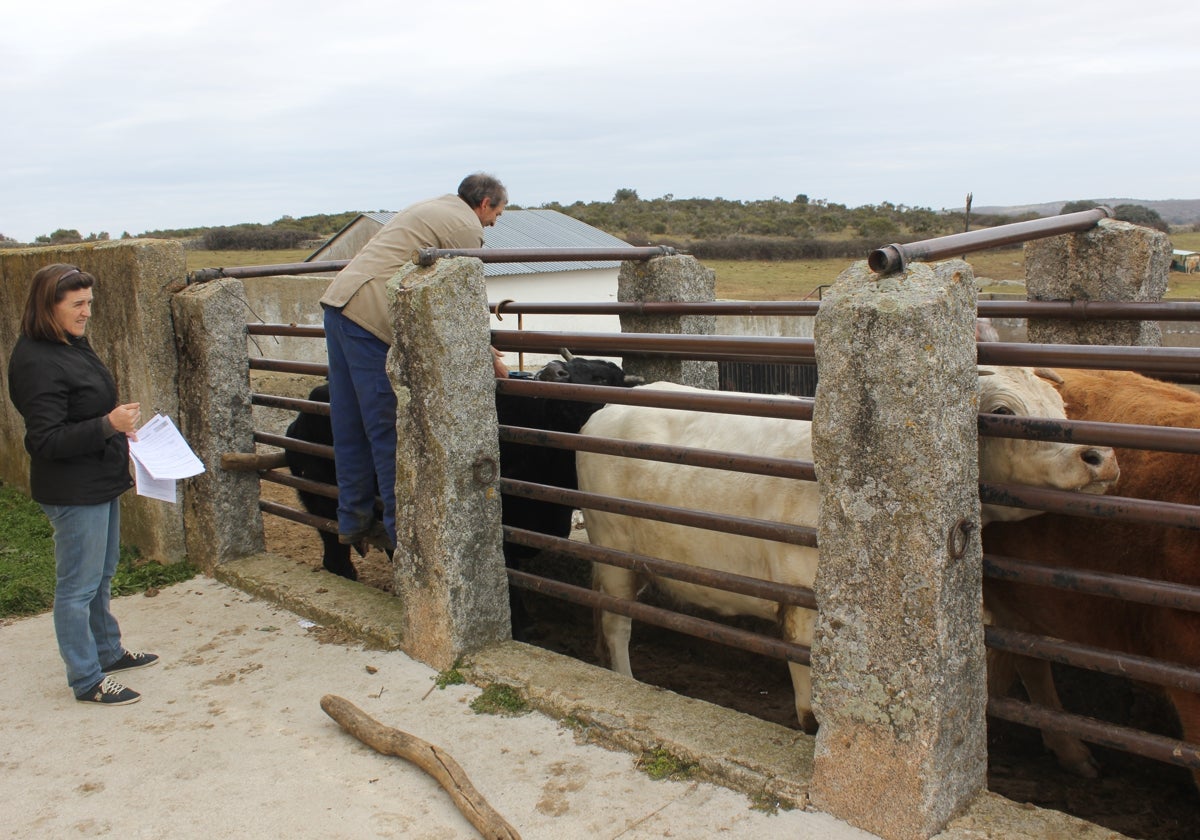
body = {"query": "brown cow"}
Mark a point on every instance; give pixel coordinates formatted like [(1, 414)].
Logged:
[(1159, 552)]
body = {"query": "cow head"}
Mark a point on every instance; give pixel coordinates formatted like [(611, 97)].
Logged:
[(1062, 466), (579, 371)]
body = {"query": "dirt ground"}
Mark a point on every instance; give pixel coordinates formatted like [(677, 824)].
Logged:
[(1136, 797)]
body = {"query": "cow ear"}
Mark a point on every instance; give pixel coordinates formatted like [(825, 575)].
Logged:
[(1047, 373)]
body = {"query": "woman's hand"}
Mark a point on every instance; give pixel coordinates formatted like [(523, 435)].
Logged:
[(125, 418)]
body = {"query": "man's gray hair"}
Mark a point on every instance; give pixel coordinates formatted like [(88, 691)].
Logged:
[(478, 186)]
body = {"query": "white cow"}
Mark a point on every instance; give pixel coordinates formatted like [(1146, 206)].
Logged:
[(1003, 391)]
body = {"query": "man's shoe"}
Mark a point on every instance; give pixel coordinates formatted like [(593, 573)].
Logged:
[(129, 661), (375, 536), (109, 692)]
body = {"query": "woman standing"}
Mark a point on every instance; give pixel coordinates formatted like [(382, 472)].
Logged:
[(76, 435)]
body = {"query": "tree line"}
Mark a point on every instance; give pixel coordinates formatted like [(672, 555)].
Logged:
[(709, 228)]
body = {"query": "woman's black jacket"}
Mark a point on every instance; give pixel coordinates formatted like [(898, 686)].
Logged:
[(65, 393)]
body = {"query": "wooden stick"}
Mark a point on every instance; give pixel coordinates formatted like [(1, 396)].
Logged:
[(443, 768)]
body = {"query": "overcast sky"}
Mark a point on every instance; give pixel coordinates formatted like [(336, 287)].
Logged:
[(133, 116)]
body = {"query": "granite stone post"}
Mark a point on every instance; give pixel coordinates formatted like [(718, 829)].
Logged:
[(221, 515), (449, 558), (671, 279), (1114, 261), (898, 657)]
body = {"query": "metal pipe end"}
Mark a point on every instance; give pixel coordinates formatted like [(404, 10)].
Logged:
[(886, 260), (425, 256)]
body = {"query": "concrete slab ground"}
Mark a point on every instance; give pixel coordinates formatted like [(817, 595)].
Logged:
[(229, 739)]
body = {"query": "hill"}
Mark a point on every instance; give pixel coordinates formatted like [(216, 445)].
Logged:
[(1174, 211)]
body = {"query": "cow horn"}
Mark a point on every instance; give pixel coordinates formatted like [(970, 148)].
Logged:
[(566, 354), (1047, 373), (983, 372), (634, 379)]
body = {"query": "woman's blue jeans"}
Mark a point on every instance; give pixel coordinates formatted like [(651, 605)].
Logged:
[(86, 550), (362, 411)]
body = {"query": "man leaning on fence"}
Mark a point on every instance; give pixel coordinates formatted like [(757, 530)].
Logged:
[(358, 332)]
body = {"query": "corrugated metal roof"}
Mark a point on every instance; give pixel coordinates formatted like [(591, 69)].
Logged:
[(528, 229), (545, 229)]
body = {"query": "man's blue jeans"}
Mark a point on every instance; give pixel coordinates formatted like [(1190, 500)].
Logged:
[(362, 410), (86, 550)]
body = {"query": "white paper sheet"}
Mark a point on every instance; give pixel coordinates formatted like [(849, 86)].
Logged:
[(155, 488), (160, 456)]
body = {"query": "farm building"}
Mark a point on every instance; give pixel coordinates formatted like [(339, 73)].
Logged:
[(1186, 261), (525, 282)]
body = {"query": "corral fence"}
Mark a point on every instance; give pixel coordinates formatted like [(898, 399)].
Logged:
[(672, 348)]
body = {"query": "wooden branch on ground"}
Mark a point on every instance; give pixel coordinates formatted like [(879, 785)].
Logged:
[(443, 768)]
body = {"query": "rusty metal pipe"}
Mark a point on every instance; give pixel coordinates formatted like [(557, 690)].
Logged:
[(203, 275), (285, 512), (1156, 593), (318, 488), (1118, 508), (290, 403), (1164, 359), (896, 257), (428, 256), (799, 596), (1157, 747), (1127, 665), (690, 456), (1124, 435), (698, 627), (288, 366), (715, 307), (744, 526), (295, 445), (1091, 310), (297, 330), (722, 402), (618, 343)]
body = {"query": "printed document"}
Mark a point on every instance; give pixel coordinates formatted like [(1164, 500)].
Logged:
[(160, 457)]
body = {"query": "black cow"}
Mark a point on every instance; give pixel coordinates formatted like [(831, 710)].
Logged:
[(543, 465), (316, 428)]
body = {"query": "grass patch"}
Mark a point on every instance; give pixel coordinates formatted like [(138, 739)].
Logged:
[(27, 561), (769, 804), (662, 764), (499, 699), (451, 676), (229, 259)]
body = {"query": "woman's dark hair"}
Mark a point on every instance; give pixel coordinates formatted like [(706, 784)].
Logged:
[(478, 186), (50, 285)]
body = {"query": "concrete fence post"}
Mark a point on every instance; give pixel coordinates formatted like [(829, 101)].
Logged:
[(673, 279), (449, 558), (221, 515), (898, 657), (1114, 261)]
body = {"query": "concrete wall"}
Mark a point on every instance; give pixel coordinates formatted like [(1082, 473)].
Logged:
[(131, 330)]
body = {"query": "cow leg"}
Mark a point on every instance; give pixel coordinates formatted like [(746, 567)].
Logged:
[(1072, 754), (336, 558), (1187, 708), (798, 628), (616, 630)]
